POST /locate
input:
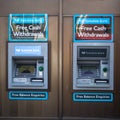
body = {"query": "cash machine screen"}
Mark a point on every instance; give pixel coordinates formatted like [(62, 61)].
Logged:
[(91, 71), (25, 70)]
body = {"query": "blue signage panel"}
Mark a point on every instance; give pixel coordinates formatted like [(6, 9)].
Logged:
[(93, 28), (28, 27), (27, 50), (28, 95), (92, 97)]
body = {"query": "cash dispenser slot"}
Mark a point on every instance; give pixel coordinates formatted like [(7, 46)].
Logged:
[(101, 81), (41, 80)]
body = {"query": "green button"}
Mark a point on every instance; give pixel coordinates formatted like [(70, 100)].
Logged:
[(105, 69), (41, 68)]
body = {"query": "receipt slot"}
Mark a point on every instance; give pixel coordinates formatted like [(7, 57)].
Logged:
[(28, 65), (93, 66)]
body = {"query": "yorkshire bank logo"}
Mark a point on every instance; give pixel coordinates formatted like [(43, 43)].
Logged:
[(28, 50), (17, 50), (93, 21), (18, 20)]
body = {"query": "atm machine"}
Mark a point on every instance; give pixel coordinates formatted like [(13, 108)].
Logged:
[(28, 66), (93, 66)]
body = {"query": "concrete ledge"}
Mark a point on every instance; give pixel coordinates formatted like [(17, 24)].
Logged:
[(29, 118), (55, 118), (87, 118)]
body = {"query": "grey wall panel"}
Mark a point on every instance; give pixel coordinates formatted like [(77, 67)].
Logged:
[(28, 6), (91, 6)]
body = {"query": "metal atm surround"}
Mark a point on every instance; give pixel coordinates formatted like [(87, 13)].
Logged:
[(97, 80), (30, 71)]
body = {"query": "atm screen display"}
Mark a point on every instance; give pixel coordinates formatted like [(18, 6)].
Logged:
[(25, 69), (88, 71)]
